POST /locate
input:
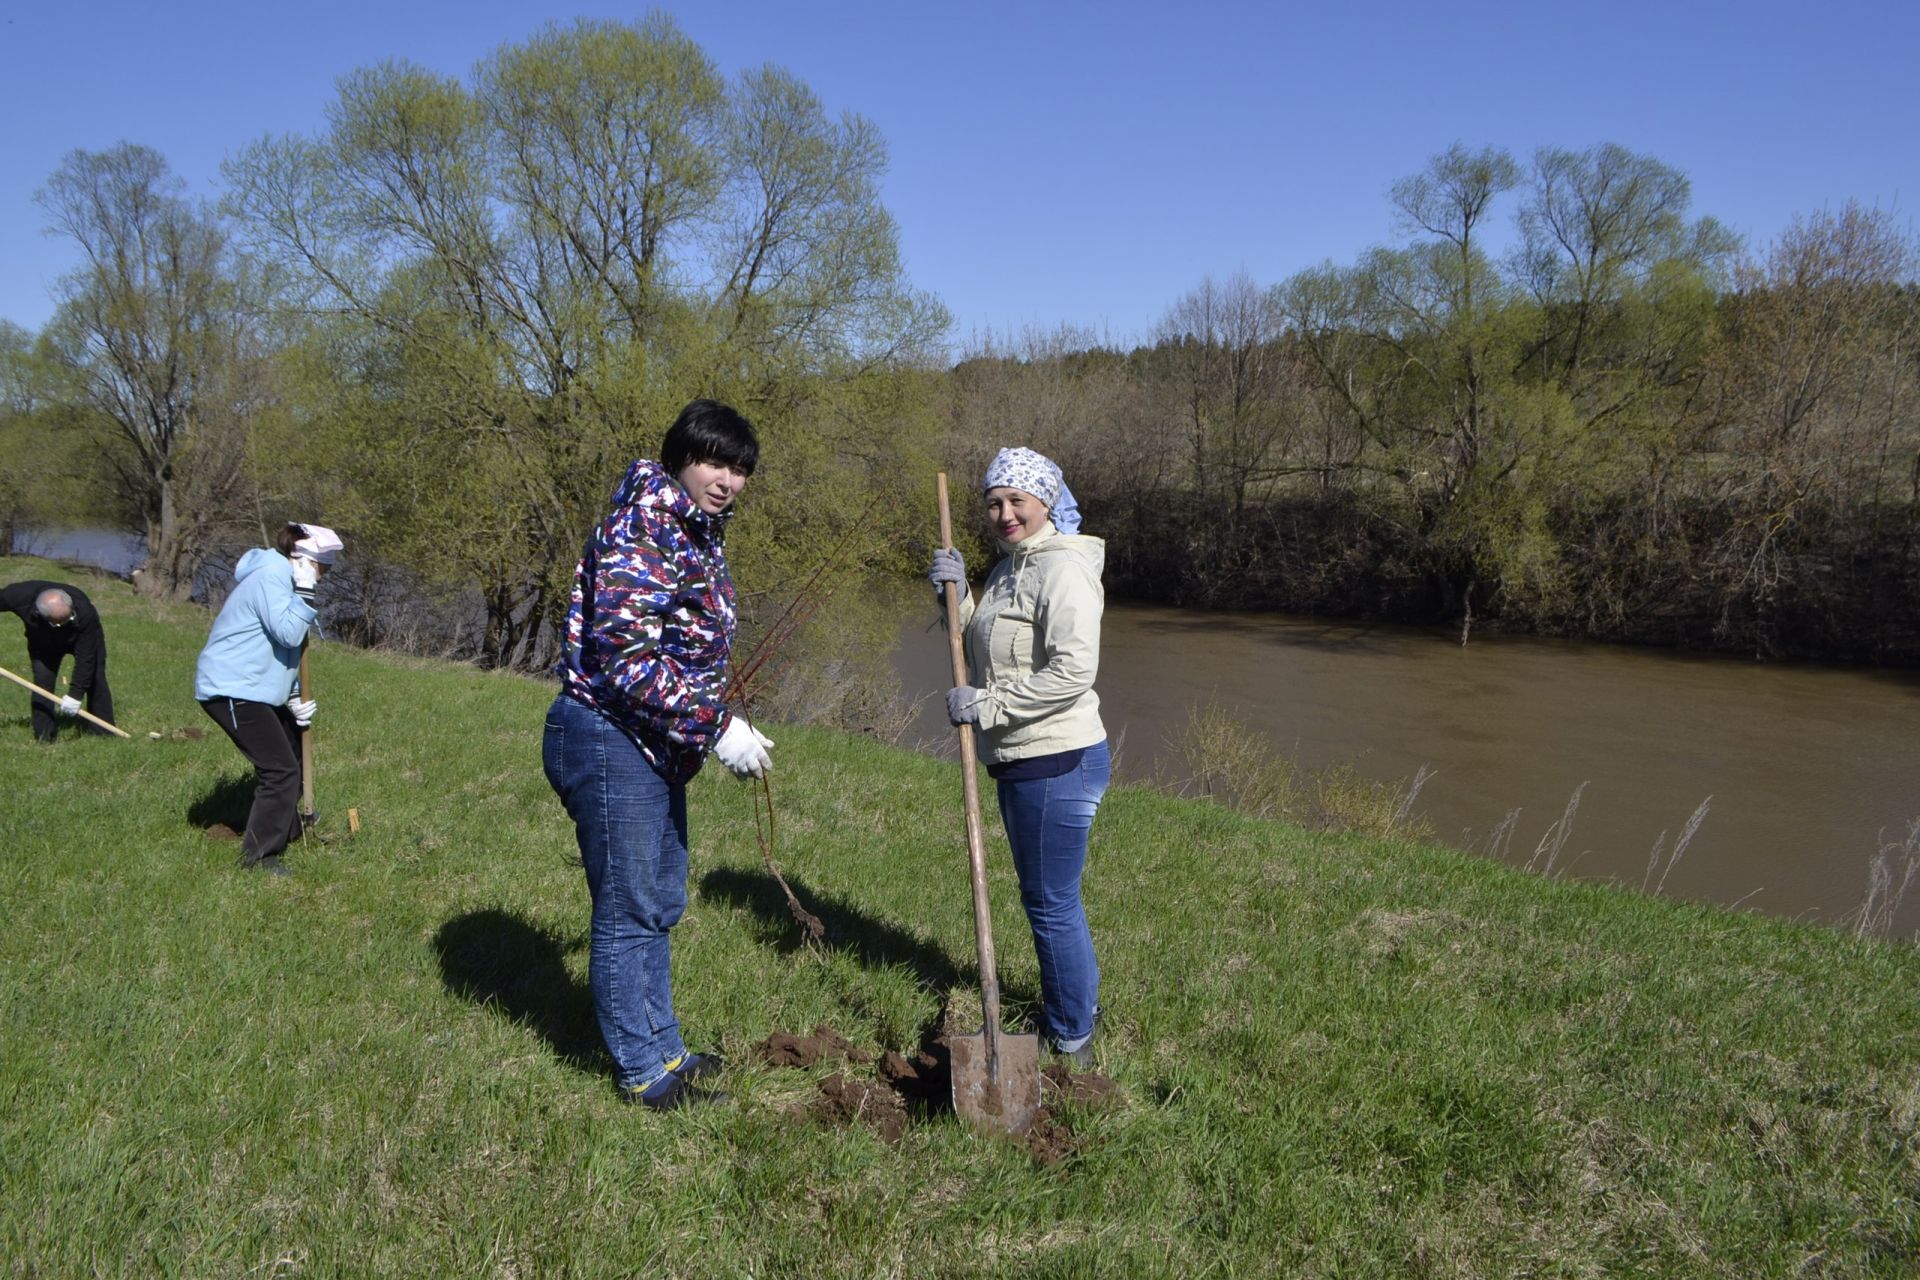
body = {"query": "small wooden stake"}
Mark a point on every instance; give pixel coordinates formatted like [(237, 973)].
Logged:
[(353, 822)]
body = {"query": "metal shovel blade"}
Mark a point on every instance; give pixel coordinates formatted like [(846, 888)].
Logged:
[(996, 1096)]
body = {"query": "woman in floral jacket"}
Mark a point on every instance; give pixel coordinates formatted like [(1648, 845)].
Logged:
[(649, 633)]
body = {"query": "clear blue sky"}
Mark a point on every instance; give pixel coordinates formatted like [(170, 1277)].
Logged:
[(1068, 163)]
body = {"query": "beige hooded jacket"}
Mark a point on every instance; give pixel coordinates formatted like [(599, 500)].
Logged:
[(1033, 647)]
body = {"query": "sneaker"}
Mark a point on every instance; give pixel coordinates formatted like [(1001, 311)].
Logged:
[(692, 1067), (671, 1093)]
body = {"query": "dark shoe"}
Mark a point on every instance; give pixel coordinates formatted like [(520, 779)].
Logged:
[(1082, 1057), (270, 864), (671, 1093), (699, 1066)]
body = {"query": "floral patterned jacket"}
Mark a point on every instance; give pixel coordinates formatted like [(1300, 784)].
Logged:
[(650, 626)]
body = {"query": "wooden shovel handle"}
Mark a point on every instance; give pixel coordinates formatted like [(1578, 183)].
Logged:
[(970, 790), (306, 741), (50, 696)]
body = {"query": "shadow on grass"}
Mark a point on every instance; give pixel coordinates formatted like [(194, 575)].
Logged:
[(226, 801), (871, 941), (497, 959), (75, 728)]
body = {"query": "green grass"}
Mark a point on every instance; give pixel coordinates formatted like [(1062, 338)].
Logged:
[(1339, 1056)]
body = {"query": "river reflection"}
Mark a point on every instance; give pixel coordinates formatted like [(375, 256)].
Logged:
[(1809, 768), (107, 549)]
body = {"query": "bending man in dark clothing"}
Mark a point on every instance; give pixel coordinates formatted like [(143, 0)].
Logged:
[(60, 621)]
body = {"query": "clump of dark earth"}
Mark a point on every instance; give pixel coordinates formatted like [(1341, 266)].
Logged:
[(906, 1089), (844, 1100), (783, 1050), (1086, 1088), (221, 831)]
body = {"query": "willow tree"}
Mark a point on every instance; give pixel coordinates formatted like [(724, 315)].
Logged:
[(1823, 424), (546, 261), (25, 481), (1418, 348), (158, 340), (1218, 347), (1598, 227)]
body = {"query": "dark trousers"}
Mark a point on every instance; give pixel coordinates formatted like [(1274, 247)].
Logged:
[(270, 740), (98, 698)]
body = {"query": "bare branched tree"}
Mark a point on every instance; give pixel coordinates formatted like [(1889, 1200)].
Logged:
[(153, 326)]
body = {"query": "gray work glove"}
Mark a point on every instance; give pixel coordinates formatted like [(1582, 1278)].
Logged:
[(963, 704), (69, 706), (948, 566), (302, 709)]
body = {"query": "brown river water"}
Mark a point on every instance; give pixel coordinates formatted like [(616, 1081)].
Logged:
[(1810, 769)]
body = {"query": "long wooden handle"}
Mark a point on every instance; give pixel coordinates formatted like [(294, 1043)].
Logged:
[(306, 742), (50, 696), (970, 790)]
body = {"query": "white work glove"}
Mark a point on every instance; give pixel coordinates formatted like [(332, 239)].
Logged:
[(743, 749), (69, 706), (306, 576), (302, 710)]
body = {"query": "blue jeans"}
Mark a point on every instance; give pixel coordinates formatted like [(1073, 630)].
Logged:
[(1047, 821), (632, 828)]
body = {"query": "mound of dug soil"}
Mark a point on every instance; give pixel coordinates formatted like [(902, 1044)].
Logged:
[(905, 1090), (844, 1100), (783, 1050), (1087, 1088)]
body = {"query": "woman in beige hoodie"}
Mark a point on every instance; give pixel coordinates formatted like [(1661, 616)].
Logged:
[(1033, 649)]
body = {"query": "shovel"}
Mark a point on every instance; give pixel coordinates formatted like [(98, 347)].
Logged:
[(306, 752), (50, 696), (996, 1077)]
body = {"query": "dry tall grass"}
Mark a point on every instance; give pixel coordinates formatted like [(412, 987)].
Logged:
[(1228, 761)]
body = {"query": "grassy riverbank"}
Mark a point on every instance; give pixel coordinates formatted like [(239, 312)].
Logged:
[(1336, 1056)]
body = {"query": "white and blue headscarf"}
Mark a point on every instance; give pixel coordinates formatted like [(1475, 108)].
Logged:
[(1035, 473)]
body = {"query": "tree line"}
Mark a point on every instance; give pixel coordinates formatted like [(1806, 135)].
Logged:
[(447, 320), (1625, 424)]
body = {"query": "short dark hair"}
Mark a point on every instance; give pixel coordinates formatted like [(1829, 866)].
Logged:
[(285, 540), (708, 431)]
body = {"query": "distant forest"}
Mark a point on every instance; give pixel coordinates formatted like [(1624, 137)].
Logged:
[(1629, 427), (446, 323)]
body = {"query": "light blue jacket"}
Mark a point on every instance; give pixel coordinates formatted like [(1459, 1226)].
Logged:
[(253, 652)]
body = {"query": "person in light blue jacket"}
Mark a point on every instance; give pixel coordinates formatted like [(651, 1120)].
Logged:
[(246, 679)]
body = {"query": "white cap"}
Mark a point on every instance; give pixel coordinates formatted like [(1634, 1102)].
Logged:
[(320, 545)]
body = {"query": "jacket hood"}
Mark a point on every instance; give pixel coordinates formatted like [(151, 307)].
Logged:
[(255, 560), (647, 485)]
